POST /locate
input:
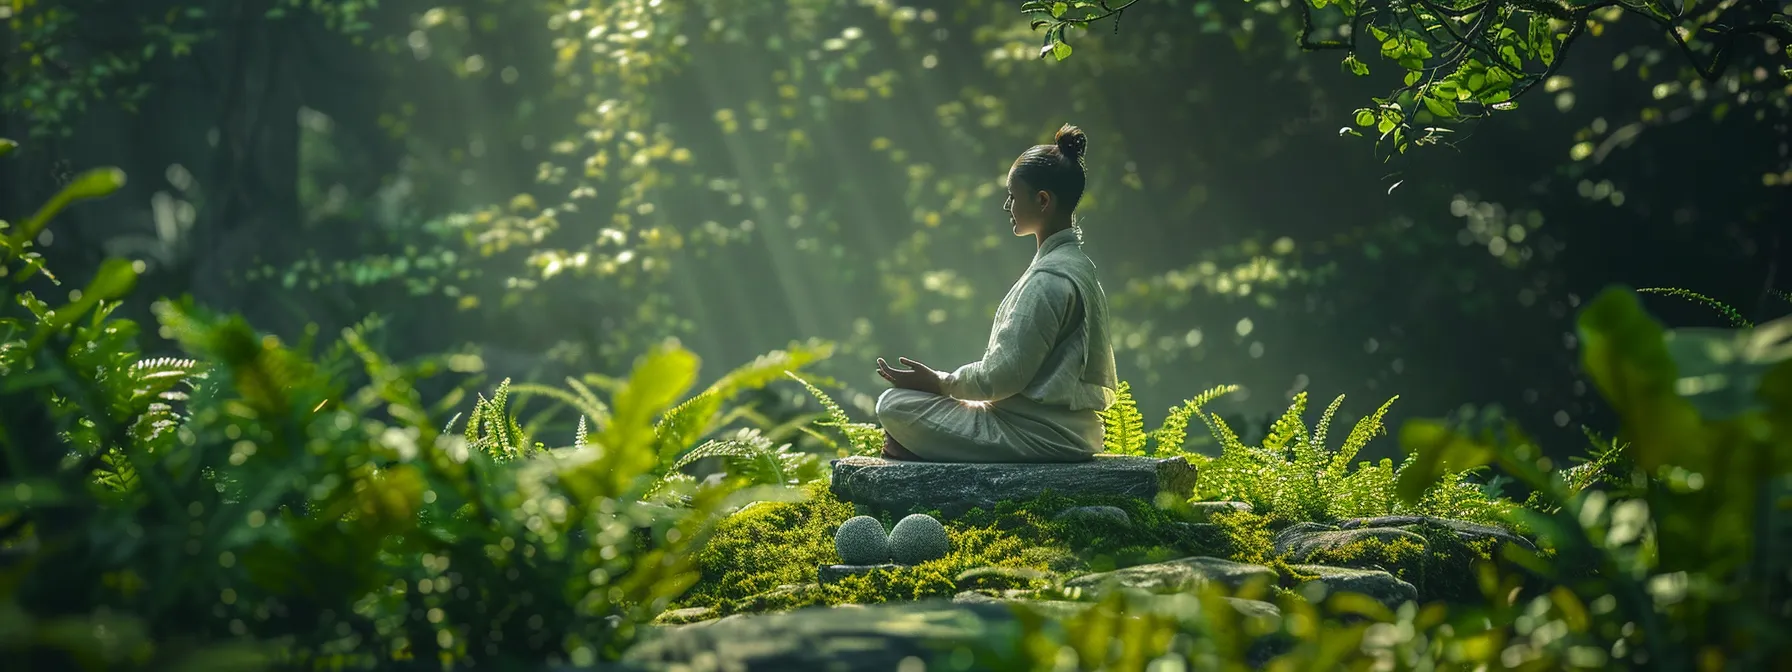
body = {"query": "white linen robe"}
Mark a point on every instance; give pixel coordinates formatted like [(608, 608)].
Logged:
[(1007, 407)]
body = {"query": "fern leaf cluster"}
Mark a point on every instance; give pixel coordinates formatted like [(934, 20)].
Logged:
[(493, 429), (1123, 428), (861, 438), (1172, 437), (1292, 475)]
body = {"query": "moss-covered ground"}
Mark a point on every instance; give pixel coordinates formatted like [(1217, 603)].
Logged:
[(765, 557)]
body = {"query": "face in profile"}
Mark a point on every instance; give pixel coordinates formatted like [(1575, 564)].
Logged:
[(1026, 206)]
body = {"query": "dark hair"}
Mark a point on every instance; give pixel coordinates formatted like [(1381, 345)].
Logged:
[(1057, 167)]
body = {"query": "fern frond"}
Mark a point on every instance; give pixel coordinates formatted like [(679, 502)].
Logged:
[(580, 436), (1325, 423), (862, 438), (772, 366), (749, 455), (1367, 428), (1289, 427), (683, 424), (116, 473), (1123, 427), (1736, 319), (1173, 434), (1221, 431), (579, 400)]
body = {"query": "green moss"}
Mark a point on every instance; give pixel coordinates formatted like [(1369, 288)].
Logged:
[(1450, 567), (768, 545), (766, 557), (1443, 568), (1245, 536), (1404, 558)]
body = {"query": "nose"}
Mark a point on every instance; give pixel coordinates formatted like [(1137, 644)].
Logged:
[(1008, 204)]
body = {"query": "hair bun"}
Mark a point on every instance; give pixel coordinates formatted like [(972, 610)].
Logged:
[(1072, 142)]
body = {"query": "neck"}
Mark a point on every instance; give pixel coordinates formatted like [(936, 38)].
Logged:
[(1050, 230)]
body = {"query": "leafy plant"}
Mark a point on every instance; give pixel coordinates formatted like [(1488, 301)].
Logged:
[(271, 513), (1171, 437), (1123, 427), (1465, 60), (862, 438), (1294, 476)]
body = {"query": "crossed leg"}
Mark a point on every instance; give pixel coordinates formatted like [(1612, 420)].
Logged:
[(893, 450)]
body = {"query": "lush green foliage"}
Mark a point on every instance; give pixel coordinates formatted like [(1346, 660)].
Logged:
[(1465, 59), (251, 506), (1685, 571), (1294, 476)]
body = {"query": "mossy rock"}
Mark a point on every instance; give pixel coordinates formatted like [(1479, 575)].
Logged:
[(829, 638), (1095, 515), (918, 538), (1378, 585), (1396, 551), (685, 616), (1175, 576), (861, 541)]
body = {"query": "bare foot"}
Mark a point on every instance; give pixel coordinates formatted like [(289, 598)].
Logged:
[(895, 451)]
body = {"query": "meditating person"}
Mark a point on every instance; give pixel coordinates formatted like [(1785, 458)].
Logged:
[(1048, 368)]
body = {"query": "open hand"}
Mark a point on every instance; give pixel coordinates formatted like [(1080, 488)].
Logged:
[(917, 377)]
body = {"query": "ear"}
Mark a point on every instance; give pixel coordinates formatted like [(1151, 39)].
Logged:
[(1043, 199)]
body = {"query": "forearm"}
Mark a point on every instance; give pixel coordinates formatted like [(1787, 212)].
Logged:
[(1023, 337), (977, 381)]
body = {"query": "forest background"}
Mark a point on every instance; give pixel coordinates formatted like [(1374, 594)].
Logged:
[(555, 186)]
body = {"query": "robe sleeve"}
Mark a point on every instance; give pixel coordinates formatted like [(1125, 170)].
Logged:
[(1022, 337)]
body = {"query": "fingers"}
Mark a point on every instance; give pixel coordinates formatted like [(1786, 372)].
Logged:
[(912, 364)]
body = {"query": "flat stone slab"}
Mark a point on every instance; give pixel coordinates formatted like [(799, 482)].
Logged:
[(1174, 576), (874, 638), (957, 487)]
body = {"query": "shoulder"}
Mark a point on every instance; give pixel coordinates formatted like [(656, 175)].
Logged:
[(1046, 286), (1065, 259), (1046, 277)]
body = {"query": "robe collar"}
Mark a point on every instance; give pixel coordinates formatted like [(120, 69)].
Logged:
[(1066, 237)]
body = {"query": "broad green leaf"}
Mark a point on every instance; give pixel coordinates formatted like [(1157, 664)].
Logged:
[(1058, 9), (1364, 117), (91, 184), (1444, 109), (1719, 371), (1061, 50), (1623, 351), (1439, 451), (7, 146), (660, 378), (114, 279)]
